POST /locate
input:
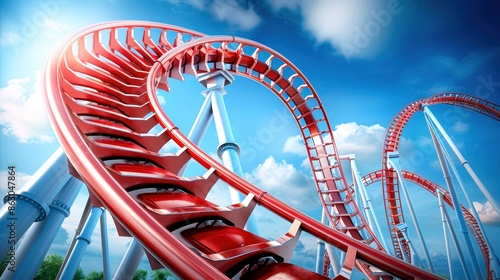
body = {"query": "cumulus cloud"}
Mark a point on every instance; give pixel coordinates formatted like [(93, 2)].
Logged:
[(295, 145), (22, 110), (487, 213), (355, 28), (285, 182), (351, 138), (230, 11), (359, 139)]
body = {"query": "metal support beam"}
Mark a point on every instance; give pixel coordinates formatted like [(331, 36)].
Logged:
[(105, 246), (31, 202), (444, 222), (454, 238), (36, 243), (393, 159), (130, 261), (228, 150), (366, 201), (83, 240), (453, 194), (334, 259), (494, 264), (320, 253), (415, 259), (464, 162)]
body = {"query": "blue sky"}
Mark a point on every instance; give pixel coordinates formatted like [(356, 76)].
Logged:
[(366, 60)]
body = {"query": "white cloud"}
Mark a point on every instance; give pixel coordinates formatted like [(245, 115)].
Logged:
[(363, 141), (355, 28), (285, 182), (350, 138), (22, 110), (359, 139), (460, 126), (230, 11), (234, 14), (161, 99), (295, 145), (21, 179), (487, 213)]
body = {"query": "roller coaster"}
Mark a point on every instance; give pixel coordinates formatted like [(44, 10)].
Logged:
[(101, 93)]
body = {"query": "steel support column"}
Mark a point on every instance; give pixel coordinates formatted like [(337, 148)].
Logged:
[(492, 255), (415, 259), (366, 201), (83, 240), (393, 159), (320, 253), (31, 202), (228, 150), (444, 222), (463, 161), (105, 246), (453, 194), (39, 237)]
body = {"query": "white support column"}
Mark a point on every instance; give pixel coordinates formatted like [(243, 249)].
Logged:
[(228, 150), (200, 125), (464, 162), (31, 201), (105, 246), (444, 222), (393, 159), (494, 264), (366, 201), (83, 240), (415, 259), (320, 253), (456, 243), (334, 260), (130, 261), (34, 246), (454, 197)]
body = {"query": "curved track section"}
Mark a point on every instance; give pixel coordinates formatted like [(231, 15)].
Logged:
[(390, 184), (101, 90), (433, 188)]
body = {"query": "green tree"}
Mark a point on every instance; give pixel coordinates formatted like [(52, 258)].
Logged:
[(50, 267), (140, 274), (3, 264), (94, 275), (162, 274)]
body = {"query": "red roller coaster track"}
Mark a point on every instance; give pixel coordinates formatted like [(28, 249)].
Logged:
[(390, 183), (101, 90), (433, 188)]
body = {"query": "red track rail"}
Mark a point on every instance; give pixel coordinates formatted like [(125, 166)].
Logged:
[(390, 183), (102, 83)]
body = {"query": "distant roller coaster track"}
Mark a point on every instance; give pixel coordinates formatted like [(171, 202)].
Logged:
[(390, 183), (433, 188), (100, 87)]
